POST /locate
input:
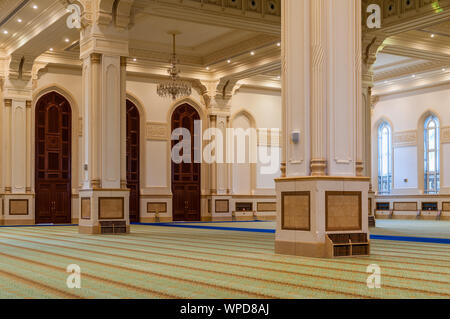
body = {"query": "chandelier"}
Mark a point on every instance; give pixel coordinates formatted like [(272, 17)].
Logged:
[(174, 87)]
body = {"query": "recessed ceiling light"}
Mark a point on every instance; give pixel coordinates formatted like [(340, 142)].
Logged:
[(35, 6), (134, 60), (278, 44), (228, 61), (207, 68), (432, 35), (278, 77), (414, 76), (444, 69), (5, 31), (51, 49), (252, 53), (66, 39), (19, 20)]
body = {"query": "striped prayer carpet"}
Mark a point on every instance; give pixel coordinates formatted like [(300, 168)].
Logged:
[(169, 262)]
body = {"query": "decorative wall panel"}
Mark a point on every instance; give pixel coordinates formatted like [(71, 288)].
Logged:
[(295, 211), (222, 206), (18, 207), (153, 208), (157, 131), (343, 211), (267, 207), (85, 208), (445, 135), (404, 139), (403, 206), (111, 208)]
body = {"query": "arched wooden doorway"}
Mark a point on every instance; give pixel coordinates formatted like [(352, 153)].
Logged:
[(53, 151), (186, 177), (133, 153)]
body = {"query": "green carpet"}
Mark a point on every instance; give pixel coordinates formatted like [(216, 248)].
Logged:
[(165, 262), (417, 228)]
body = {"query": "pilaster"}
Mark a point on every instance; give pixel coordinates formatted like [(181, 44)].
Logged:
[(318, 88), (16, 124), (104, 198)]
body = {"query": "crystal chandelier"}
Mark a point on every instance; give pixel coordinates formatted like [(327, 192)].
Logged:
[(174, 88)]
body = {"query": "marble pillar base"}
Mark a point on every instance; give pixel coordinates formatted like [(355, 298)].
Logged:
[(17, 209), (309, 209), (104, 208)]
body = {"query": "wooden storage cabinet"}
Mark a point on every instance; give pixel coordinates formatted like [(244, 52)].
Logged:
[(347, 245), (244, 207), (113, 227)]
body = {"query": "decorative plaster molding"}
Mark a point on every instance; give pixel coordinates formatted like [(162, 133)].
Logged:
[(156, 131), (405, 139), (400, 16), (408, 70), (445, 135), (257, 16)]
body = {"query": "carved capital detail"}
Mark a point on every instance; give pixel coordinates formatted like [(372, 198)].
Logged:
[(96, 58)]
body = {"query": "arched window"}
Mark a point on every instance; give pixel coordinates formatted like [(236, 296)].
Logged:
[(384, 158), (431, 156)]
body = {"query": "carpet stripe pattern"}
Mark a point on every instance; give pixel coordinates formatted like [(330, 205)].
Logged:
[(167, 262)]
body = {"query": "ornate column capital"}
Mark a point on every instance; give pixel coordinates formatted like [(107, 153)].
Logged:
[(96, 58)]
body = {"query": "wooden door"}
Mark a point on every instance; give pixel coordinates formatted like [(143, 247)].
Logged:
[(186, 177), (133, 130), (53, 148)]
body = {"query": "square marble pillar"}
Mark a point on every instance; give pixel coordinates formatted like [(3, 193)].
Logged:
[(103, 208), (17, 209), (311, 208)]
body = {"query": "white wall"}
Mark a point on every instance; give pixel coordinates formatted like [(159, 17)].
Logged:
[(406, 112), (265, 109)]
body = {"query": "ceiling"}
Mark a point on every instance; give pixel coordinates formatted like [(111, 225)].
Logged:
[(213, 42), (413, 59)]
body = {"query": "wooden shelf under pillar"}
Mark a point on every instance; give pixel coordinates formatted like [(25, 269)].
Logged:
[(113, 227), (347, 245)]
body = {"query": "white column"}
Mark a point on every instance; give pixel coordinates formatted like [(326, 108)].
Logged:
[(29, 164), (92, 125), (296, 86), (16, 153), (106, 199), (228, 164), (323, 192), (7, 145), (123, 122), (213, 166)]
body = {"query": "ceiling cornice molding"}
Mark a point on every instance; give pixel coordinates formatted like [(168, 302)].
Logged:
[(426, 80), (60, 58), (194, 11), (396, 64), (398, 16), (163, 57), (243, 47), (409, 70), (416, 53)]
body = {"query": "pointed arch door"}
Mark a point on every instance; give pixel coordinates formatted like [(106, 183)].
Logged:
[(186, 177), (133, 153), (53, 148)]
